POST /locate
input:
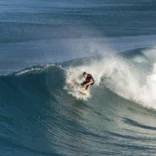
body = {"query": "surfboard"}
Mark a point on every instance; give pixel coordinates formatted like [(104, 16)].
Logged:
[(83, 91)]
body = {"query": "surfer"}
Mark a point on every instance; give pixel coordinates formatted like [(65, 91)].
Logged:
[(89, 80)]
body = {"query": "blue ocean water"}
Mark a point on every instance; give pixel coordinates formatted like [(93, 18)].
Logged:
[(46, 44)]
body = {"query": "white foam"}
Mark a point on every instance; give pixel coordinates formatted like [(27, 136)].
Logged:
[(150, 53), (120, 76), (41, 68)]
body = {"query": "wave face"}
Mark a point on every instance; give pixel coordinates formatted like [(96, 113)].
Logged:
[(40, 114)]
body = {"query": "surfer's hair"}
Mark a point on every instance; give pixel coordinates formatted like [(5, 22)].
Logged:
[(84, 73)]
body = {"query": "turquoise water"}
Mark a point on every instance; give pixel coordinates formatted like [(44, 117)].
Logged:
[(46, 44)]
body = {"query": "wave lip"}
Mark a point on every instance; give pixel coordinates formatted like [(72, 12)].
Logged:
[(127, 77)]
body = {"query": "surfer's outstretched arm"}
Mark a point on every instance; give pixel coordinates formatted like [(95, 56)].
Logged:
[(73, 81)]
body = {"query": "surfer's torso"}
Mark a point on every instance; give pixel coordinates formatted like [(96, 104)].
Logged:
[(88, 78)]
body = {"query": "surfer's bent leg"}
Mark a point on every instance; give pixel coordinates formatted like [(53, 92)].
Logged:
[(85, 82), (82, 84), (89, 85)]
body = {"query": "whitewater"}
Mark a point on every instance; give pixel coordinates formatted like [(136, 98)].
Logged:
[(123, 76)]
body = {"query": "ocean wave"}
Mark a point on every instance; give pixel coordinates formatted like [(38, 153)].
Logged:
[(38, 105), (130, 78)]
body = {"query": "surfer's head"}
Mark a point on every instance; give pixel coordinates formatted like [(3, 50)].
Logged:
[(85, 75)]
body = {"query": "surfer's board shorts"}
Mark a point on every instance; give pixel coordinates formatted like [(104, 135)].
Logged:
[(87, 85)]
